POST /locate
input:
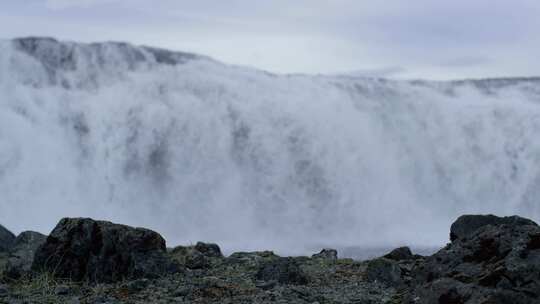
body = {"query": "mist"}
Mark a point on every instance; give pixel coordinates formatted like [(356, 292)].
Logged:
[(200, 150)]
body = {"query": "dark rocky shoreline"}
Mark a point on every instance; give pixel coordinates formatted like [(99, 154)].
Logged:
[(490, 260)]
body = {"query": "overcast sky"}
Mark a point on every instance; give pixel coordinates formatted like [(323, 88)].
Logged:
[(433, 39)]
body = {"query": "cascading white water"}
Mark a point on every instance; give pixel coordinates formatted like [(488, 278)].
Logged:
[(199, 150)]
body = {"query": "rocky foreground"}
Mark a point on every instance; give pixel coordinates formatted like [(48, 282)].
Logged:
[(489, 260)]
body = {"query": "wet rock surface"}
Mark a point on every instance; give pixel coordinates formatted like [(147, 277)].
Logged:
[(492, 263)]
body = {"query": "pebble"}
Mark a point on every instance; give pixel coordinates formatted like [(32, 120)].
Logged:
[(3, 291), (61, 290), (266, 285)]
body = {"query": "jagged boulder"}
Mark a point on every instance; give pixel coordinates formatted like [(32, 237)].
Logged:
[(400, 254), (209, 249), (326, 254), (21, 254), (496, 263), (6, 239), (100, 251), (466, 225)]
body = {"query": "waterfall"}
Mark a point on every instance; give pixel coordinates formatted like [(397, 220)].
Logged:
[(200, 150)]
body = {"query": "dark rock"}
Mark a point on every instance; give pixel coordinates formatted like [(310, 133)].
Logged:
[(496, 263), (326, 254), (196, 257), (21, 255), (400, 254), (282, 270), (3, 290), (467, 224), (6, 239), (266, 285), (384, 271), (99, 251), (445, 291), (209, 249)]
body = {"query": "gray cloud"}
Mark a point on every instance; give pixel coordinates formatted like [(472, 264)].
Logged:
[(429, 39)]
